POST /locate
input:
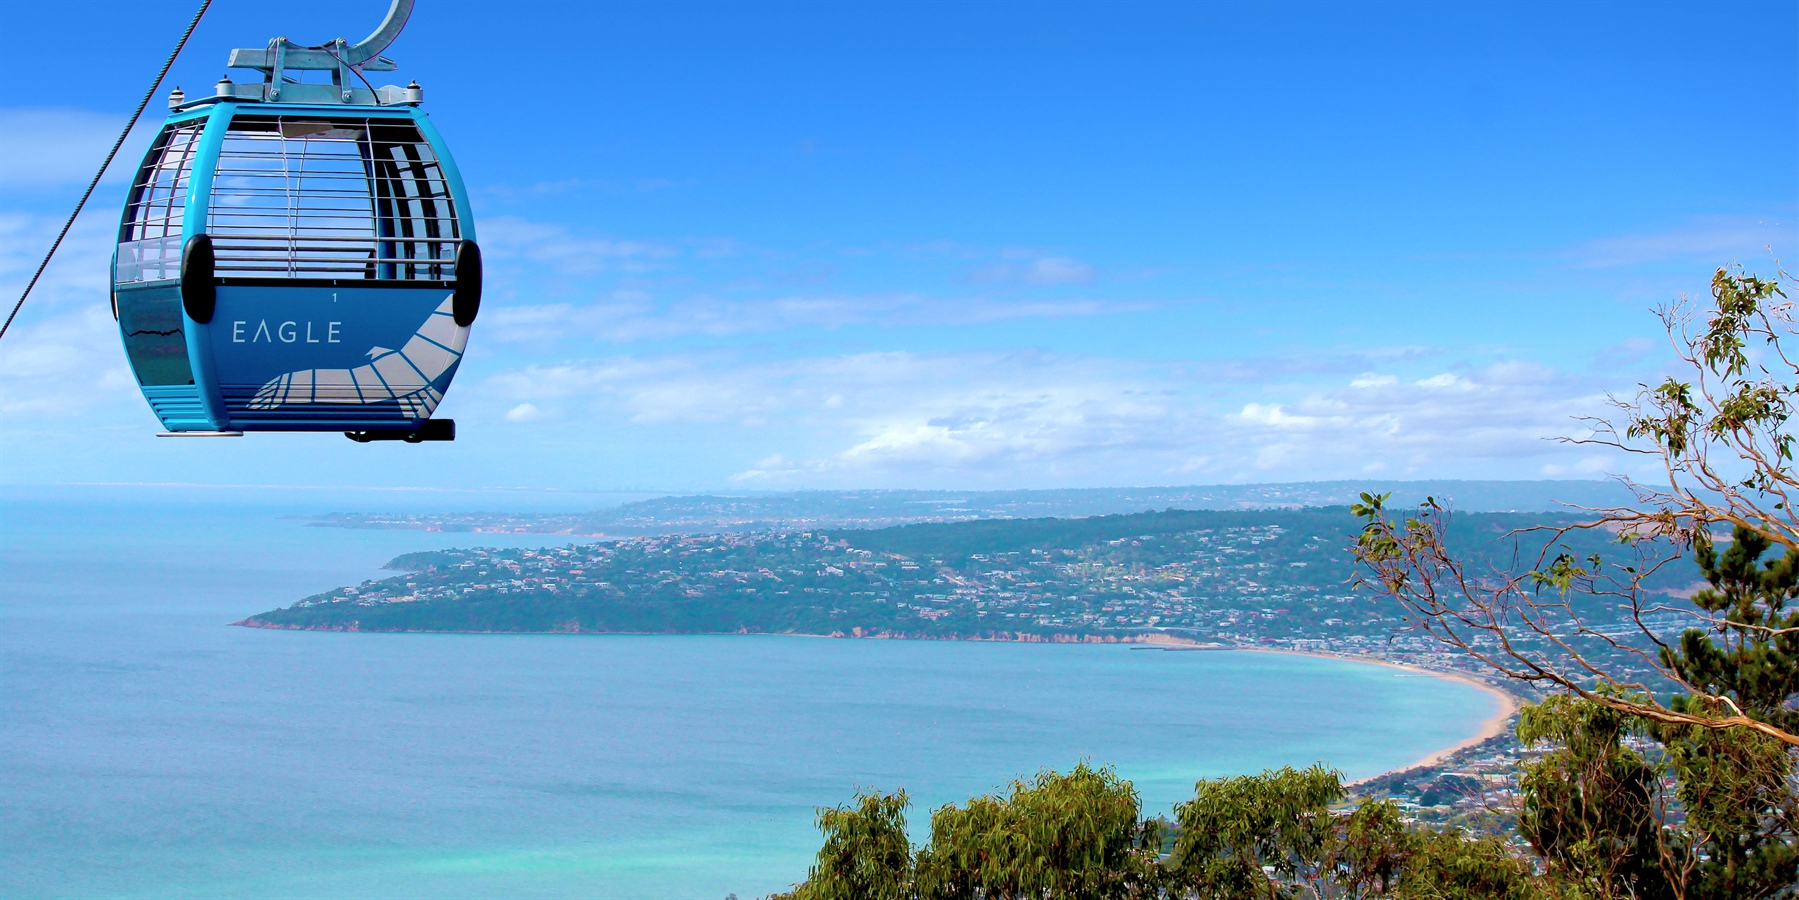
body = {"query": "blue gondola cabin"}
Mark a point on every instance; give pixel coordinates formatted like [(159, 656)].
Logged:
[(297, 257)]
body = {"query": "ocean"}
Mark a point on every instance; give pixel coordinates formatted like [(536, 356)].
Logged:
[(148, 750)]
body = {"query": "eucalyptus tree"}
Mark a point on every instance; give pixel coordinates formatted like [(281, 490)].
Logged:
[(866, 853), (1076, 835), (1712, 810)]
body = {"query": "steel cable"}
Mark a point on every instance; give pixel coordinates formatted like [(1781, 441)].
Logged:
[(154, 86)]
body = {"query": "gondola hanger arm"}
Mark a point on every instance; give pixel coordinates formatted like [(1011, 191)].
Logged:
[(358, 54), (345, 60)]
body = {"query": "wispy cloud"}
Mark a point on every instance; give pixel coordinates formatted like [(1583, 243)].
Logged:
[(45, 148), (566, 186), (62, 356), (1328, 362), (553, 284), (1709, 240), (1041, 271), (1506, 411), (631, 316), (64, 365), (1032, 418), (528, 245)]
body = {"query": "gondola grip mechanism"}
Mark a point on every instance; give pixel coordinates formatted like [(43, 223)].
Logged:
[(344, 60)]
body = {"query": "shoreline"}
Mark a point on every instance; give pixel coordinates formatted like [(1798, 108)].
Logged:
[(1492, 726)]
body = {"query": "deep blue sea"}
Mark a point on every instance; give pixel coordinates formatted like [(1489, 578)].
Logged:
[(148, 750)]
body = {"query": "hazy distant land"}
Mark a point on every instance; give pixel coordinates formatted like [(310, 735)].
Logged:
[(883, 508)]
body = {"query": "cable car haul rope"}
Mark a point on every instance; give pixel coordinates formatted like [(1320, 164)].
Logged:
[(160, 75), (298, 256)]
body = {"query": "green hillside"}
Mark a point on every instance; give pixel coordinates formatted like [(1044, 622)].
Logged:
[(1224, 575)]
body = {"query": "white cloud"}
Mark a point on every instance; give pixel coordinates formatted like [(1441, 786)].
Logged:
[(1503, 414), (64, 365), (1272, 414), (524, 412), (1030, 418), (1444, 381), (62, 356), (1043, 270)]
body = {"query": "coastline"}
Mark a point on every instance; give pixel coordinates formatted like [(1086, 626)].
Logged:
[(1493, 726)]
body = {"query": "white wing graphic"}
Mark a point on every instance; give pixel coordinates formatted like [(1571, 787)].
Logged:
[(404, 375)]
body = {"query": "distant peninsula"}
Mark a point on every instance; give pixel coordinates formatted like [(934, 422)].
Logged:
[(1248, 577)]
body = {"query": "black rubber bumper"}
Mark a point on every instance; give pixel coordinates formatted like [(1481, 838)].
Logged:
[(431, 430)]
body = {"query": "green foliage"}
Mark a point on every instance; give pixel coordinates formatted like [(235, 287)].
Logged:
[(1273, 836), (1590, 805), (1738, 834), (1736, 787), (1075, 835), (1370, 505), (1234, 827), (1635, 798), (1446, 865), (1696, 797), (866, 854), (1600, 815), (1746, 403), (1367, 850), (1755, 660)]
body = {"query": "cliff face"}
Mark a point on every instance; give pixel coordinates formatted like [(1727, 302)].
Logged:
[(255, 622)]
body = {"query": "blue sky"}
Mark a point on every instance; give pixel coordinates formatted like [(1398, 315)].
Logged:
[(770, 246)]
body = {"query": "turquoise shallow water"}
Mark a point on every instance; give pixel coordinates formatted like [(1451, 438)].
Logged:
[(149, 750)]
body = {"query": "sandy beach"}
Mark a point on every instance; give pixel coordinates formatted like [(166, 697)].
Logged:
[(1492, 727)]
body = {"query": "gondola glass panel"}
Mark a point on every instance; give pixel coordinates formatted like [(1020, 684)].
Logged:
[(149, 250)]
